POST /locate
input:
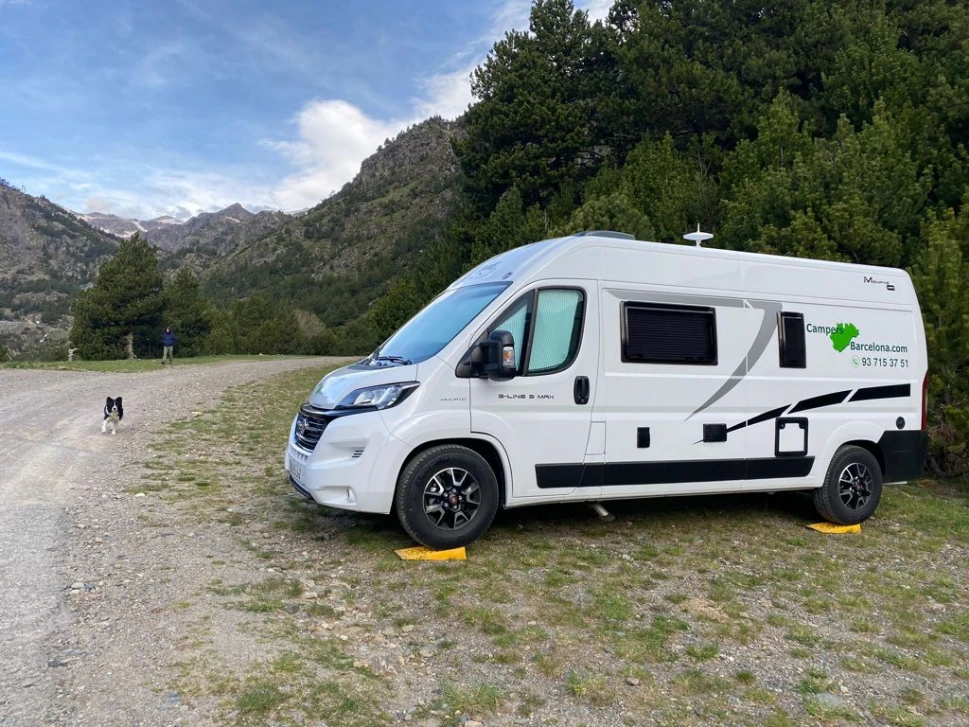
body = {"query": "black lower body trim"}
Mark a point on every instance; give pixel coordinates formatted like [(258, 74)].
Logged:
[(300, 489), (669, 473), (560, 476), (903, 454)]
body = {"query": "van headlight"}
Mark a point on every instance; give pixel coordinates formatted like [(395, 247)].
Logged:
[(378, 397)]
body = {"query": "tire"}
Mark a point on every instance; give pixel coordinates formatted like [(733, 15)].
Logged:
[(447, 497), (852, 487)]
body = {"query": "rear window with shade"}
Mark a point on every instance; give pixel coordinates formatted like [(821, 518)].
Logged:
[(666, 334)]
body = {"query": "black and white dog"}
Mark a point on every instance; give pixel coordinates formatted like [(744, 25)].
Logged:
[(113, 413)]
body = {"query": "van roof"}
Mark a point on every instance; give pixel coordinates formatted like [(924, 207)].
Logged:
[(526, 260)]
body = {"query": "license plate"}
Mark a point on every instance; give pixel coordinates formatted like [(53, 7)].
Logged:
[(296, 470)]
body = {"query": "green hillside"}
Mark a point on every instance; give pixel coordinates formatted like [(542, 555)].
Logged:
[(344, 253)]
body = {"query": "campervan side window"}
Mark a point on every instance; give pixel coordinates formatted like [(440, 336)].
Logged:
[(790, 340), (558, 328), (547, 327), (669, 334)]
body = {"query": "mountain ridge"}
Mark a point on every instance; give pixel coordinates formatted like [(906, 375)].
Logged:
[(171, 234), (47, 255)]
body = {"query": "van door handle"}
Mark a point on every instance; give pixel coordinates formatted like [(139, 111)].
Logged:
[(581, 390)]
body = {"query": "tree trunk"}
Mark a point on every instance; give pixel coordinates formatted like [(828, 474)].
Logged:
[(129, 342)]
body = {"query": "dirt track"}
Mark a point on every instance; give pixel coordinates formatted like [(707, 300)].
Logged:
[(61, 482)]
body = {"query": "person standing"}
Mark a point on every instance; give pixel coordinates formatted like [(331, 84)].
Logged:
[(168, 342)]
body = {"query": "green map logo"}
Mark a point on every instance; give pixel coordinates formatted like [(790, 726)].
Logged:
[(843, 335)]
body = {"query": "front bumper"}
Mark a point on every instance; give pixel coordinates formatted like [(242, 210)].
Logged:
[(353, 466)]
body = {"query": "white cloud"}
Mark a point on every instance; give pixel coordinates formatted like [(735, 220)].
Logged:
[(512, 15), (172, 192), (154, 191), (446, 94), (597, 9), (31, 162), (159, 64), (334, 138), (186, 193)]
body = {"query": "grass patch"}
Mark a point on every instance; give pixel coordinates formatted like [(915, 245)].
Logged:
[(481, 699), (591, 688), (702, 652), (259, 700), (956, 625)]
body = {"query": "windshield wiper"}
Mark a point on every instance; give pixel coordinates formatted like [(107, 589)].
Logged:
[(394, 359)]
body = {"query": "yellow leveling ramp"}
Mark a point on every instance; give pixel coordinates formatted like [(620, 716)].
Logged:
[(422, 553), (833, 529)]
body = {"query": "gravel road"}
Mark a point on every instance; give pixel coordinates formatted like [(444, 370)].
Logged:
[(63, 516)]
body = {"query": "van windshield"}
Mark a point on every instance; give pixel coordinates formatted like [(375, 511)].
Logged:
[(437, 324)]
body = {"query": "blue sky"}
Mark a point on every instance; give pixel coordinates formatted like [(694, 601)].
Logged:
[(151, 107)]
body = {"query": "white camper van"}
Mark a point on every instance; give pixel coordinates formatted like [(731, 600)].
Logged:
[(596, 367)]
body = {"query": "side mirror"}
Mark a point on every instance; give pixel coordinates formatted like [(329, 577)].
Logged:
[(493, 358), (501, 361)]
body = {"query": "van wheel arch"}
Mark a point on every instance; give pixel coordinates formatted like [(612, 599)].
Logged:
[(482, 446), (873, 448)]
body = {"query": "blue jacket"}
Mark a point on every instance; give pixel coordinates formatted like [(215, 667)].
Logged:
[(168, 339)]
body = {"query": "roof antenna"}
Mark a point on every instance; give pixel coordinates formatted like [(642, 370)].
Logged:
[(697, 236)]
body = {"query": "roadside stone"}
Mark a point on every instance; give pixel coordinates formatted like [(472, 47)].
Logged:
[(632, 681), (832, 701), (702, 608)]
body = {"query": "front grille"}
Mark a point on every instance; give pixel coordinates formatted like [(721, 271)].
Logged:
[(310, 426)]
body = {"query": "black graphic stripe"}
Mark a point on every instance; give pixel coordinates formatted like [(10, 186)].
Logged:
[(669, 473), (896, 391), (816, 402), (766, 416)]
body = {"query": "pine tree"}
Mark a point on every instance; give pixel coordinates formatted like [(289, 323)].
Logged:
[(127, 298), (187, 313)]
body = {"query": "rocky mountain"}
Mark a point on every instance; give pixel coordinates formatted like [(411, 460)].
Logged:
[(111, 224), (339, 256), (122, 226), (46, 255), (213, 234), (159, 223)]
